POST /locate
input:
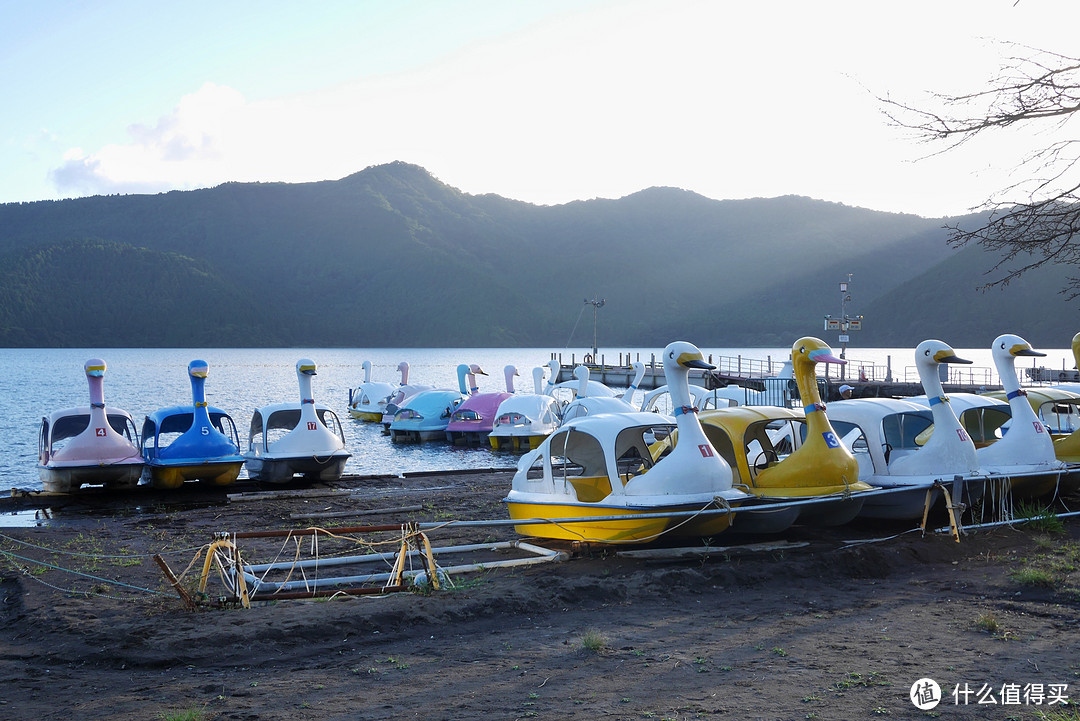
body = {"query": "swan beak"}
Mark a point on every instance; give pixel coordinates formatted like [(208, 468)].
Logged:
[(1025, 350), (96, 371), (825, 356), (308, 370), (694, 360), (948, 356)]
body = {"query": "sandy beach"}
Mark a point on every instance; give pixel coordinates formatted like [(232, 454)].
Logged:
[(817, 623)]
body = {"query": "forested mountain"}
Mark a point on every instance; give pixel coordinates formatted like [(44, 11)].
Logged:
[(391, 256)]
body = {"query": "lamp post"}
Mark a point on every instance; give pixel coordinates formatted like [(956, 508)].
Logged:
[(596, 305), (845, 323)]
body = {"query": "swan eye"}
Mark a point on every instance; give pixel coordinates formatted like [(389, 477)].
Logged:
[(671, 354), (926, 352), (802, 349)]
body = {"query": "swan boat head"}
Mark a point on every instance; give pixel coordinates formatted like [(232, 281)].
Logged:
[(1027, 443), (822, 463), (950, 450)]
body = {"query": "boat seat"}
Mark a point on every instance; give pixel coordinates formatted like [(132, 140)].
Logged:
[(591, 489)]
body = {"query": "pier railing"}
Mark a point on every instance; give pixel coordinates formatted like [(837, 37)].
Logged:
[(734, 368)]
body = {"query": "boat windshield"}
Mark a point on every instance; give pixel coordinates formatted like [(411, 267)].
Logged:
[(68, 427), (1060, 417), (901, 430), (984, 424)]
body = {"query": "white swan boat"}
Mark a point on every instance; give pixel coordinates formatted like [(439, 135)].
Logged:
[(524, 420), (596, 479), (367, 402), (1025, 452), (296, 439), (888, 438)]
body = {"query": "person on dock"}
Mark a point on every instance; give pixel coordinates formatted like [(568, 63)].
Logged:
[(845, 392)]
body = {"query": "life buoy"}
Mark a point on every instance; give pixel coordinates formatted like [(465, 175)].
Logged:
[(1061, 376), (587, 359)]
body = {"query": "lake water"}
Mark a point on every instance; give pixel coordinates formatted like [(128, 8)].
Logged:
[(37, 381)]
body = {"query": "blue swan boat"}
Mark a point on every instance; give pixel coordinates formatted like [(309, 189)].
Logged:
[(191, 443)]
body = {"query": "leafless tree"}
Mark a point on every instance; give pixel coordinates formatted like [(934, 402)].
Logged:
[(1037, 220)]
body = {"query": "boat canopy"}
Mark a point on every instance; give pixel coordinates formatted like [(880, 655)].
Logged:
[(62, 425), (283, 417)]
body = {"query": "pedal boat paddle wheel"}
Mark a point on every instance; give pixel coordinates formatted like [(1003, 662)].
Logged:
[(92, 445), (191, 443)]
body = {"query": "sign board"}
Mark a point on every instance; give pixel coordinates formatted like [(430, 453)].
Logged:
[(845, 339), (831, 324), (855, 325)]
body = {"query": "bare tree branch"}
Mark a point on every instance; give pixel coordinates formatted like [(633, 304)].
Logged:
[(1039, 217)]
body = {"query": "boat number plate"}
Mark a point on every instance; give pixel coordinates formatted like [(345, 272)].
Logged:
[(830, 439), (311, 425), (963, 435), (1038, 426), (706, 450), (99, 432)]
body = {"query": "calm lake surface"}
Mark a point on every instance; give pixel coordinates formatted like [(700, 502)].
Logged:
[(37, 381)]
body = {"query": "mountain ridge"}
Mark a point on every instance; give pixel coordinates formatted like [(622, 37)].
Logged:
[(391, 255)]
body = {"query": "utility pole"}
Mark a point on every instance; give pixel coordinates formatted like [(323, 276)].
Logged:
[(596, 305)]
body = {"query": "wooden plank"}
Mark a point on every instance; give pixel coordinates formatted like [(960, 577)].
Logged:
[(175, 583)]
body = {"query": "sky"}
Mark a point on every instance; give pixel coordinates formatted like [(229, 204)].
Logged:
[(545, 101)]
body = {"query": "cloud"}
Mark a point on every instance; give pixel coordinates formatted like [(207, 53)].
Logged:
[(706, 96), (191, 147)]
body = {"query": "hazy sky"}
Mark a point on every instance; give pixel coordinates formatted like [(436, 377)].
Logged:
[(545, 101)]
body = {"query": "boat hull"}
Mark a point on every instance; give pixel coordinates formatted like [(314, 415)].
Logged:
[(467, 438), (283, 470), (517, 444), (67, 479), (415, 435), (900, 506), (760, 518), (172, 476), (602, 524), (366, 416)]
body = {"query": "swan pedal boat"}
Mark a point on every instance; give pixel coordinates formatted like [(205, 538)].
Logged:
[(880, 432), (426, 415), (1059, 411), (473, 421), (1025, 452), (191, 443), (790, 460), (89, 445), (614, 478), (290, 439), (367, 402), (766, 438), (523, 421)]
